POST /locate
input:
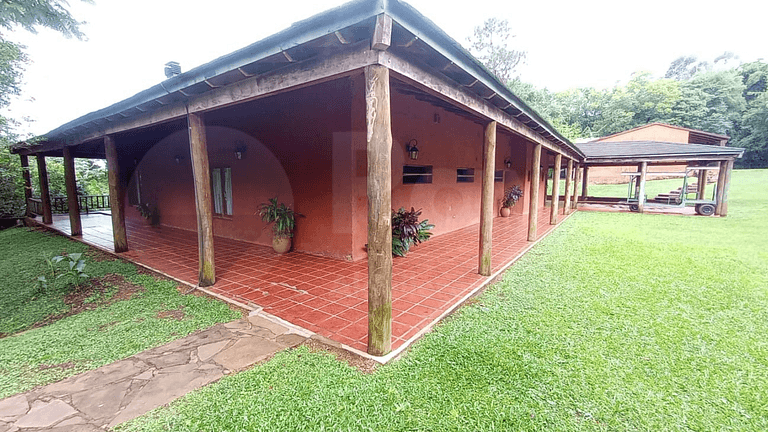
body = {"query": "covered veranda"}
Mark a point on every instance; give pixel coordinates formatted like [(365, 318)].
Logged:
[(326, 296), (393, 77)]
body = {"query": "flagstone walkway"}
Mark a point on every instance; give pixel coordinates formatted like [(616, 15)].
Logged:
[(121, 391)]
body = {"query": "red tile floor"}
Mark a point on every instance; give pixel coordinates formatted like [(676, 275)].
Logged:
[(324, 295)]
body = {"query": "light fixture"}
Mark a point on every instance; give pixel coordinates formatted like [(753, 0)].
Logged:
[(508, 162), (178, 159), (412, 150), (240, 152)]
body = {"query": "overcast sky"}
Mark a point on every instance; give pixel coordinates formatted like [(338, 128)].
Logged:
[(587, 43)]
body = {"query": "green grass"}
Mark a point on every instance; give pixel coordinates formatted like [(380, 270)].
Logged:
[(614, 322), (89, 339)]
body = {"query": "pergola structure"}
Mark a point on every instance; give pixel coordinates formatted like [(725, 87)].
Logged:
[(379, 45), (644, 153)]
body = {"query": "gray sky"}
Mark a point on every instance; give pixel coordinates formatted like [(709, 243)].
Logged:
[(588, 43)]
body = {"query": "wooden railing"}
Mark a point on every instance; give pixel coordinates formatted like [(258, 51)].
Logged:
[(35, 206), (59, 205)]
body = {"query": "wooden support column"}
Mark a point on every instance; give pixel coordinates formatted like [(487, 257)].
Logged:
[(201, 174), (555, 190), (567, 192), (379, 186), (486, 200), (45, 194), (701, 184), (27, 183), (585, 182), (116, 195), (720, 187), (577, 174), (73, 203), (641, 192), (533, 212), (726, 188)]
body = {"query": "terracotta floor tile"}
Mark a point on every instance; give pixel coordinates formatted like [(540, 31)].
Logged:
[(333, 324), (351, 315), (325, 295)]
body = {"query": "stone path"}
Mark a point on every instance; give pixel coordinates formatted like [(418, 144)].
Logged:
[(112, 394)]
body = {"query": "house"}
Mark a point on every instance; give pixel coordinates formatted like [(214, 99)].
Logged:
[(343, 116)]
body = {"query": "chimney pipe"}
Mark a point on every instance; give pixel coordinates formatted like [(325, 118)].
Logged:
[(172, 69)]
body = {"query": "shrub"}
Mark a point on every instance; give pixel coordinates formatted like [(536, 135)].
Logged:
[(407, 230)]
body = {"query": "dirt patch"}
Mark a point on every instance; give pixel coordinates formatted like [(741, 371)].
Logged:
[(177, 314), (62, 366), (97, 255), (364, 365), (91, 295)]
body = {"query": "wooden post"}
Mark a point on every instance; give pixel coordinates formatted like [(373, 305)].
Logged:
[(379, 186), (382, 33), (575, 203), (701, 184), (486, 200), (27, 183), (567, 192), (45, 194), (555, 190), (641, 192), (116, 195), (720, 188), (201, 173), (70, 182), (533, 212), (726, 188), (585, 182)]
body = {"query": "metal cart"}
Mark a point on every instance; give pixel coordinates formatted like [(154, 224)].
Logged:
[(703, 207)]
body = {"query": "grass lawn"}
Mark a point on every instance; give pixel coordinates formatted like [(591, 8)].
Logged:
[(616, 321), (92, 338)]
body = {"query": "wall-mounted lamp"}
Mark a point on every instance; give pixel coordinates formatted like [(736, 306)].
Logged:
[(508, 162), (178, 159), (413, 151), (240, 152)]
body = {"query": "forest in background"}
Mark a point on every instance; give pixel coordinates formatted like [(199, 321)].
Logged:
[(723, 96)]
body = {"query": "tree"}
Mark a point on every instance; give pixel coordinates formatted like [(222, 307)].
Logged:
[(490, 46), (685, 67), (30, 15), (753, 131), (711, 101)]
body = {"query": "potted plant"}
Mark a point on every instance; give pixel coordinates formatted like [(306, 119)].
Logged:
[(509, 199), (407, 230), (283, 220), (150, 213)]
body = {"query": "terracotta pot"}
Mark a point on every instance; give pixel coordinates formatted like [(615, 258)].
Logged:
[(506, 211), (281, 245)]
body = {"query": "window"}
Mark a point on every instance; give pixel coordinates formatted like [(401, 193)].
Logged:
[(465, 175), (221, 183), (498, 176), (413, 174)]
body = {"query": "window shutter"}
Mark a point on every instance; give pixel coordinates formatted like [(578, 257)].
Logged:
[(228, 190), (217, 196)]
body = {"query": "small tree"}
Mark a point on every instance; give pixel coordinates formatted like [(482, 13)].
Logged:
[(490, 46)]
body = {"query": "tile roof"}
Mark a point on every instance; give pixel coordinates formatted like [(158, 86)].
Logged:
[(652, 149)]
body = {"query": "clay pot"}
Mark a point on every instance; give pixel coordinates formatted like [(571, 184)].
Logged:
[(505, 212), (281, 245)]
